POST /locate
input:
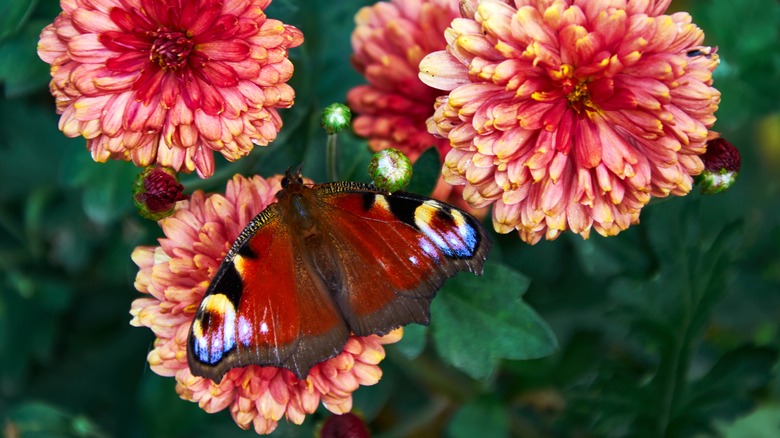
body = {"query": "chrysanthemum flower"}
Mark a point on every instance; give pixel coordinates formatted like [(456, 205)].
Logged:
[(389, 41), (572, 114), (176, 275), (169, 82)]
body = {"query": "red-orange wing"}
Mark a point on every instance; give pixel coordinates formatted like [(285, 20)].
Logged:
[(264, 307), (395, 250)]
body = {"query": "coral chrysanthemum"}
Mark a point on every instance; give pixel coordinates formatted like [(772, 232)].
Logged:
[(389, 41), (176, 275), (169, 82), (572, 114)]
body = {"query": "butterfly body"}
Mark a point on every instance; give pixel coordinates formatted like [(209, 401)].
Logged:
[(323, 262)]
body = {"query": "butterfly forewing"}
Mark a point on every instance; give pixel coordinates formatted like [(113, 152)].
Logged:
[(264, 308), (396, 251)]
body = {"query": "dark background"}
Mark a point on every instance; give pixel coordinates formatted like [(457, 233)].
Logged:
[(669, 329)]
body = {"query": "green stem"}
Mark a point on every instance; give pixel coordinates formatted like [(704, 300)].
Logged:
[(675, 370), (419, 421), (332, 153), (433, 375)]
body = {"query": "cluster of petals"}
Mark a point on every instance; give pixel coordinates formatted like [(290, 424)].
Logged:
[(175, 276), (169, 82), (389, 41), (572, 114)]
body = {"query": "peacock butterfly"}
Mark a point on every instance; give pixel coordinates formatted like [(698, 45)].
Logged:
[(325, 261)]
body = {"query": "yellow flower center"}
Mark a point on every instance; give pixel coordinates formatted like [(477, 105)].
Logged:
[(579, 99)]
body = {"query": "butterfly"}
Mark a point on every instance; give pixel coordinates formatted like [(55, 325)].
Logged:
[(324, 261)]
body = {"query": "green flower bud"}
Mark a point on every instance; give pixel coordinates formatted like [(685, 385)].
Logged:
[(336, 118), (390, 169)]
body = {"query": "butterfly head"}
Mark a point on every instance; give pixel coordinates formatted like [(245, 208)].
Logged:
[(292, 176), (292, 180)]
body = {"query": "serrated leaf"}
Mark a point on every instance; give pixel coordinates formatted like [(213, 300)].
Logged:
[(726, 387), (478, 320), (484, 418)]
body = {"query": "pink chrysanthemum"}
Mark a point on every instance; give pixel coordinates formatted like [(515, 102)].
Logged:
[(176, 275), (169, 82), (572, 114), (389, 41)]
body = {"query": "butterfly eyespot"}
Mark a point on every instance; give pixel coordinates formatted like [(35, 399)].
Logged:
[(447, 228), (210, 344)]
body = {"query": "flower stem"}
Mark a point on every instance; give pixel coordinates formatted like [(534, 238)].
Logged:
[(331, 154)]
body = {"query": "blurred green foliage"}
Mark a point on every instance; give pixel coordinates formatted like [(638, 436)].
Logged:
[(669, 329)]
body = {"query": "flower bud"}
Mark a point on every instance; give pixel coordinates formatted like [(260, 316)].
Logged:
[(390, 169), (346, 425), (721, 167), (156, 191), (336, 118)]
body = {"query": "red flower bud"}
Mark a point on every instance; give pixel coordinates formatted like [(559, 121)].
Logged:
[(721, 167), (156, 191), (346, 425)]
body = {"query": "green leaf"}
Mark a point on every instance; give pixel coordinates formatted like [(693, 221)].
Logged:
[(108, 189), (426, 172), (21, 71), (413, 342), (484, 417), (41, 420), (22, 312), (725, 390), (355, 157), (157, 394), (478, 320), (603, 257), (31, 146), (667, 314), (762, 423), (370, 400), (13, 15)]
